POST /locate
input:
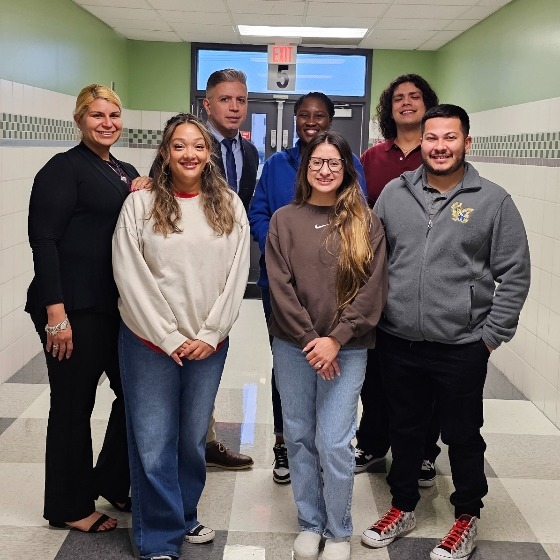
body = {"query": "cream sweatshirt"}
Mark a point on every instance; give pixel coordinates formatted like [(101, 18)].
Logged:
[(187, 285)]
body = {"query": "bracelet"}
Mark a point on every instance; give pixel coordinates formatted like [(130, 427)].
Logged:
[(51, 331)]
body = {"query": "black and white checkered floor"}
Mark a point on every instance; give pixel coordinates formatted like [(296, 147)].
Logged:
[(254, 518)]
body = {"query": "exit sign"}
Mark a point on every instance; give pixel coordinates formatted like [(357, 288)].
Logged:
[(282, 54)]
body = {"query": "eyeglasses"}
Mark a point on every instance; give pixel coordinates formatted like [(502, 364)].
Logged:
[(334, 164)]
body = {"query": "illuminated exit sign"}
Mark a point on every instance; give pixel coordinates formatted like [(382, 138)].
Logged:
[(281, 67), (282, 54)]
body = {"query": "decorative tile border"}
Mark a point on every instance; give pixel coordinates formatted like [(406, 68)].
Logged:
[(538, 148), (23, 130)]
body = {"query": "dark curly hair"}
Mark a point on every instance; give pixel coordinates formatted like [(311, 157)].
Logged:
[(385, 105)]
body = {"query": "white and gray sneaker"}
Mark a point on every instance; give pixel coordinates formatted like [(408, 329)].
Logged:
[(384, 531), (459, 542), (364, 460), (200, 534), (281, 469)]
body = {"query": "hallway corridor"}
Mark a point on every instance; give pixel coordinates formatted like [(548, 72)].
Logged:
[(254, 518)]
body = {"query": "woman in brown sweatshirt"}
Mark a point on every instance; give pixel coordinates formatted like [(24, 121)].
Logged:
[(326, 263)]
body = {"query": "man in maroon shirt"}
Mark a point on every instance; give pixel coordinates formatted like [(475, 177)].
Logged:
[(400, 110)]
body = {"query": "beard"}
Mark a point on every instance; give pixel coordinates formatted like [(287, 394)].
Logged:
[(460, 162)]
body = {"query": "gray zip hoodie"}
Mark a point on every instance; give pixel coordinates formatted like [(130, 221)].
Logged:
[(460, 277)]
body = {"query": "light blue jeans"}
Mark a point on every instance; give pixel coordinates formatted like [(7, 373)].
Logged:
[(168, 408), (319, 424)]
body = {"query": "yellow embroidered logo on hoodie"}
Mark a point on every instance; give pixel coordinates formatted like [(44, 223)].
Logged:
[(460, 214)]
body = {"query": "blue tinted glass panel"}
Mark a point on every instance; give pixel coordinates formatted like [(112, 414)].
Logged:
[(333, 74)]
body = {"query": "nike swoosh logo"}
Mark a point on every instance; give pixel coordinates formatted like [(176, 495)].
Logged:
[(319, 227)]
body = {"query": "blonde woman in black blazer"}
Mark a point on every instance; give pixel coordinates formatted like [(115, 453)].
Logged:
[(75, 202)]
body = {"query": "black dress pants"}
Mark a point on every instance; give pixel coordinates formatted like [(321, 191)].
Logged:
[(373, 433), (449, 377), (71, 481), (276, 402)]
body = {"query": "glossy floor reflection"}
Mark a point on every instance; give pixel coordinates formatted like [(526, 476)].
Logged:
[(254, 518)]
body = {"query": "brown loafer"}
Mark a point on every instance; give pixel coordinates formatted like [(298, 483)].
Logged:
[(218, 455)]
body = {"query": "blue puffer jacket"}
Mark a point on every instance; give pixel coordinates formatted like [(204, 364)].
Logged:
[(276, 188)]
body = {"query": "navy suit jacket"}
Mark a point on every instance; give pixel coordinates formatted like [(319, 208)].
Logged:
[(249, 172)]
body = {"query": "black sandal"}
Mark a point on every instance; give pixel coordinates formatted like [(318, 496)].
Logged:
[(93, 529)]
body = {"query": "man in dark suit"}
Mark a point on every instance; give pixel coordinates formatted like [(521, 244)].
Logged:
[(238, 159), (226, 107)]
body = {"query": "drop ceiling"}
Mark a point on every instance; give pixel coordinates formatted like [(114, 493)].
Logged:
[(392, 24)]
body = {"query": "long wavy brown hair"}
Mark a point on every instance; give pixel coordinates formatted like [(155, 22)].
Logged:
[(350, 220), (216, 197)]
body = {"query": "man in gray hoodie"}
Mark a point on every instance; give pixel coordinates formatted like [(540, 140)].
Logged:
[(459, 273)]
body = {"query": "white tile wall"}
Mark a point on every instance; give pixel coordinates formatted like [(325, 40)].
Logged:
[(18, 165), (532, 359)]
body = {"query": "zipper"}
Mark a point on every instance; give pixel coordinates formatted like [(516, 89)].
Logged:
[(471, 292)]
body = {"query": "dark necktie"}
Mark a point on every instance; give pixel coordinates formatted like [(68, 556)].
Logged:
[(231, 170)]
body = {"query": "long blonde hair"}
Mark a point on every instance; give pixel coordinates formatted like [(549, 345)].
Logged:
[(350, 220), (215, 194)]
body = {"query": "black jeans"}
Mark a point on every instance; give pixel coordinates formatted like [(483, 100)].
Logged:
[(71, 482), (276, 402), (449, 377), (373, 433)]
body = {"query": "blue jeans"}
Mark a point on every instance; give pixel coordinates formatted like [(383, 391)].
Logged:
[(167, 412), (319, 424)]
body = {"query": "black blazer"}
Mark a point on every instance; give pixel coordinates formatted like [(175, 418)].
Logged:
[(248, 179), (75, 202)]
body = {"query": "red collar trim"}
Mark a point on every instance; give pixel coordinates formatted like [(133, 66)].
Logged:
[(184, 195)]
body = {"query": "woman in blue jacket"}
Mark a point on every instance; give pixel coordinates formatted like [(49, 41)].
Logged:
[(314, 113)]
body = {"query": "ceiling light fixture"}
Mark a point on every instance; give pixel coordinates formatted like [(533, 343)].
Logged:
[(321, 32)]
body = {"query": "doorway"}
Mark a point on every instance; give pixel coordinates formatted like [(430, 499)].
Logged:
[(261, 125)]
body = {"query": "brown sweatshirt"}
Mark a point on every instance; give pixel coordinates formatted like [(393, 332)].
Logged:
[(302, 273)]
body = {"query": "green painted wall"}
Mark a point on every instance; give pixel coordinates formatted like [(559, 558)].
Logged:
[(509, 58), (56, 45), (389, 64), (159, 76)]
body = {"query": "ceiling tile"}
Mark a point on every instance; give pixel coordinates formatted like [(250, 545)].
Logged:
[(259, 19), (325, 21), (389, 43), (342, 9), (461, 24), (403, 24), (189, 5), (143, 35), (423, 12), (497, 3), (479, 12), (214, 30), (107, 14), (420, 35), (173, 16), (266, 7), (153, 24), (210, 37)]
